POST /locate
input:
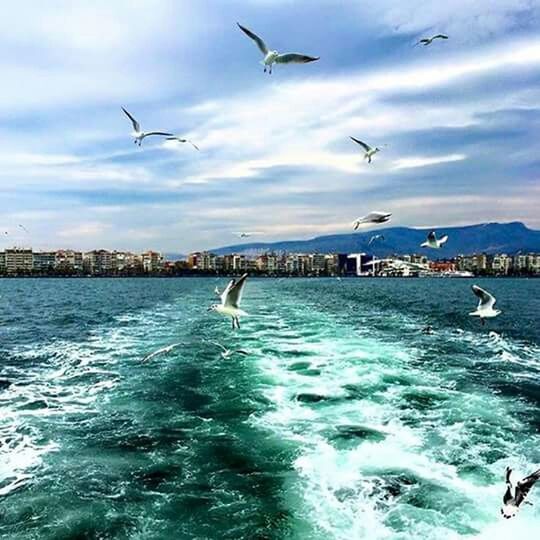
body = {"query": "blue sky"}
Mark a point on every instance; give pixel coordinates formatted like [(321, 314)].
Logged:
[(461, 119)]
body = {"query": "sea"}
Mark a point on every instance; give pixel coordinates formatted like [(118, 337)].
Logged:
[(344, 420)]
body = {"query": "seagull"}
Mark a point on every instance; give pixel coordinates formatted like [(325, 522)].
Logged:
[(181, 140), (369, 151), (271, 57), (375, 237), (515, 496), (372, 217), (427, 329), (24, 229), (140, 135), (163, 350), (227, 353), (428, 41), (230, 301), (432, 241), (485, 305), (244, 235)]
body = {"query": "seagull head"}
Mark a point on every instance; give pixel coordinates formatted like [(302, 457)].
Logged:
[(213, 307)]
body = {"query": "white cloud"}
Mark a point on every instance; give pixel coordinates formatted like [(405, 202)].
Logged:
[(463, 20), (419, 161)]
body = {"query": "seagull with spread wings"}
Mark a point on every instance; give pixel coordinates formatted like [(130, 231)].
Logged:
[(515, 496), (273, 57), (227, 353), (372, 217), (485, 305), (375, 237), (369, 151), (230, 301), (434, 242), (429, 41), (139, 135), (163, 350)]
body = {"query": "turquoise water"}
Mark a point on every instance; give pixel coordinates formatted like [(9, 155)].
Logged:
[(345, 421)]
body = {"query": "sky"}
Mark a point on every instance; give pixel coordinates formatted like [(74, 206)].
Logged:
[(460, 119)]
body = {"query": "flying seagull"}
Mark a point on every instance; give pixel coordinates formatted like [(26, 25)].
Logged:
[(432, 241), (429, 41), (230, 301), (140, 135), (271, 57), (515, 496), (369, 151), (182, 140), (227, 353), (24, 229), (372, 217), (375, 237), (163, 350), (485, 305)]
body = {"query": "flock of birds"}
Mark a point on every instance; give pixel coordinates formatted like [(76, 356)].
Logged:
[(231, 297)]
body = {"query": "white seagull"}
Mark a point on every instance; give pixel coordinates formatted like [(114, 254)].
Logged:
[(140, 135), (432, 241), (182, 140), (163, 350), (227, 353), (230, 301), (375, 237), (372, 217), (369, 151), (271, 57), (515, 496), (485, 305), (429, 41)]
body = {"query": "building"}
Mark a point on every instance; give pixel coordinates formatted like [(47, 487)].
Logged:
[(477, 263), (19, 260), (44, 261), (501, 264), (357, 257), (98, 262), (69, 260), (152, 261)]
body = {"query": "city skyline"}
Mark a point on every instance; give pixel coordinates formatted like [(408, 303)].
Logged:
[(459, 119)]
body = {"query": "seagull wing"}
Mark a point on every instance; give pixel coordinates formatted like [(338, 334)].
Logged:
[(524, 486), (440, 36), (443, 239), (260, 43), (365, 146), (162, 133), (371, 240), (163, 350), (486, 300), (226, 291), (234, 292), (295, 58), (219, 345), (136, 125), (243, 352)]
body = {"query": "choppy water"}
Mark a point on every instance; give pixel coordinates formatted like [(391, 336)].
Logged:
[(344, 422)]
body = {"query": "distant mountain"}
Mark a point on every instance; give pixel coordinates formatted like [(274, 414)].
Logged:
[(483, 238), (174, 257)]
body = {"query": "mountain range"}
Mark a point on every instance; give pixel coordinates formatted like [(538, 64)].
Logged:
[(487, 238)]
